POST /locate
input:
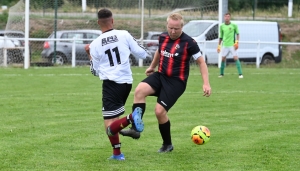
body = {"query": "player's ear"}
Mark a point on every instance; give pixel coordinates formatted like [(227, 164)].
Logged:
[(98, 22)]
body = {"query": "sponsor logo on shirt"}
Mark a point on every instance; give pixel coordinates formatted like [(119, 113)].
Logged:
[(110, 39), (168, 54)]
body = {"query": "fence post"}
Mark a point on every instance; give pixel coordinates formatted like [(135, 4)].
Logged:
[(4, 53), (290, 8), (5, 57), (140, 62), (257, 54), (73, 52)]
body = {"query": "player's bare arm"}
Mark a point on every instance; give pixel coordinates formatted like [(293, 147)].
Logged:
[(153, 64), (204, 74), (87, 50)]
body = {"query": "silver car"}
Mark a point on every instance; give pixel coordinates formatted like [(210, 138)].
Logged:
[(63, 53), (151, 46), (64, 48)]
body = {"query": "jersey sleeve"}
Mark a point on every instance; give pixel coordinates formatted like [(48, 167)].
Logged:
[(193, 49), (221, 32), (136, 49), (236, 29), (94, 55)]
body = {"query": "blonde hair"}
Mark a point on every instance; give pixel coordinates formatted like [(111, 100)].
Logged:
[(176, 16)]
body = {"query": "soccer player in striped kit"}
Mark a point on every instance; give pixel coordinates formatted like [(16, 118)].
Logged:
[(169, 82)]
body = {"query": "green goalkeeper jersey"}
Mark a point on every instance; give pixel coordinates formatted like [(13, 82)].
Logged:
[(227, 33)]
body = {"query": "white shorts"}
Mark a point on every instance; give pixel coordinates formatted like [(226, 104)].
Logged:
[(227, 50)]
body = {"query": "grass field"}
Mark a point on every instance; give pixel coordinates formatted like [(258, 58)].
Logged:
[(51, 120)]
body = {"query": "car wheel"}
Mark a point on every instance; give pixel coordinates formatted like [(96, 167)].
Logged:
[(59, 60), (12, 56), (267, 59), (18, 56)]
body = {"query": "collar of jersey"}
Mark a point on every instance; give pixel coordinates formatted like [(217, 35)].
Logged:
[(108, 30)]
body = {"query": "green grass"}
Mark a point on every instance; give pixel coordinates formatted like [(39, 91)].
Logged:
[(51, 120)]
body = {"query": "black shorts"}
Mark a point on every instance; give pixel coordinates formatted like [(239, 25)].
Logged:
[(167, 89), (114, 97)]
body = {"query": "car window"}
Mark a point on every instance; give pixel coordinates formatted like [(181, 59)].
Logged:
[(71, 36), (195, 29), (213, 33), (155, 37), (90, 36), (145, 35), (14, 35)]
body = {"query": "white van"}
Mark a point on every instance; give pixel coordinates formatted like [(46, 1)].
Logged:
[(208, 30)]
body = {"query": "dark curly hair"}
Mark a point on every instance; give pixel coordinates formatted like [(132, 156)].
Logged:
[(104, 13)]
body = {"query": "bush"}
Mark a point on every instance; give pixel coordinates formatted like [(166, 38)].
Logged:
[(39, 34), (3, 19)]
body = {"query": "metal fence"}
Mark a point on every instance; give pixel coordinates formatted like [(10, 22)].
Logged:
[(128, 15)]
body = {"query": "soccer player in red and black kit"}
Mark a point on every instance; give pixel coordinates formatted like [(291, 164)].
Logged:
[(169, 82)]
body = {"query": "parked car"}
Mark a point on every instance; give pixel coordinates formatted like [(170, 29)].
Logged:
[(151, 46), (16, 55), (64, 48), (250, 31), (7, 43)]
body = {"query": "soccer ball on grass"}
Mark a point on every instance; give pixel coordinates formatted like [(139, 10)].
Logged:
[(200, 135)]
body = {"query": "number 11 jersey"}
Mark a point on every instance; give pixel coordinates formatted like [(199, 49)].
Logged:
[(110, 55)]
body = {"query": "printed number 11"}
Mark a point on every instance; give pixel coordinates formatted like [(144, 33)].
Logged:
[(110, 58)]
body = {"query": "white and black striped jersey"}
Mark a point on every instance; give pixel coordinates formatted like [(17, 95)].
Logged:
[(110, 55)]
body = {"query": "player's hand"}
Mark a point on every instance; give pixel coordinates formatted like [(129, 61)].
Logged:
[(149, 71), (219, 49), (94, 72), (236, 45), (206, 90), (87, 48)]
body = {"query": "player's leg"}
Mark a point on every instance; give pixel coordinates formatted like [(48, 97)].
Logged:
[(171, 90), (237, 61), (144, 89), (132, 131), (225, 52), (113, 95), (134, 118), (115, 141), (164, 126)]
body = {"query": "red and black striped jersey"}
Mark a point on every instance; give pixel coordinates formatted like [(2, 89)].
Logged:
[(175, 55)]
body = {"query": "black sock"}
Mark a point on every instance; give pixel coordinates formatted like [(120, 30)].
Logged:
[(165, 132), (141, 105)]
